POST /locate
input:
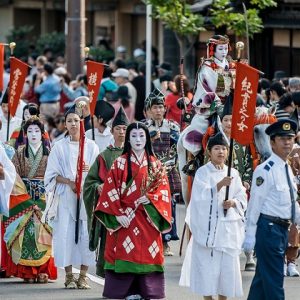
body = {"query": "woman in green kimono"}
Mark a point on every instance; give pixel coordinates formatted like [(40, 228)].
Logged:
[(28, 240)]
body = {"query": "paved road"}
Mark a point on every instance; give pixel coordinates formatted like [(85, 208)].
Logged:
[(15, 289)]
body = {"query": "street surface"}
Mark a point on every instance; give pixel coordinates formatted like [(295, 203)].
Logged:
[(14, 288)]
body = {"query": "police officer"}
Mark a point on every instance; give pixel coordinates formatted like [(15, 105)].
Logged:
[(272, 207)]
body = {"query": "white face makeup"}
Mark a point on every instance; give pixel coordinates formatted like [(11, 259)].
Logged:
[(34, 135), (221, 51), (27, 115), (137, 139)]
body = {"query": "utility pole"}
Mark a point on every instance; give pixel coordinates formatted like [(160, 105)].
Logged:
[(75, 35)]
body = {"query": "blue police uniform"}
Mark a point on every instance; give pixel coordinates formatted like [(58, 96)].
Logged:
[(271, 208)]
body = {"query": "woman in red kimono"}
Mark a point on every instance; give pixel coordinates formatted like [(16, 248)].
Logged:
[(135, 207)]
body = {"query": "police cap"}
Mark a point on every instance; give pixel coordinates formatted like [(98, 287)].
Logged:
[(286, 127)]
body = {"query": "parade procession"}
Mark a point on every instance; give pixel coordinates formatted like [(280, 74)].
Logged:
[(169, 173)]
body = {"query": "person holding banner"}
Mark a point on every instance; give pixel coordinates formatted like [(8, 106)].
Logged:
[(104, 112), (272, 208), (211, 265), (14, 122), (62, 201)]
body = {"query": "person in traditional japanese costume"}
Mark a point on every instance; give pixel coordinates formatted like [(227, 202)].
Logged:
[(211, 265), (214, 79), (18, 137), (28, 240), (135, 207), (62, 202), (164, 136), (104, 112), (93, 185), (242, 159), (7, 179)]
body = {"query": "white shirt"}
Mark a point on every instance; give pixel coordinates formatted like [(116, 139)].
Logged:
[(270, 193), (102, 139), (14, 123), (6, 184), (131, 91)]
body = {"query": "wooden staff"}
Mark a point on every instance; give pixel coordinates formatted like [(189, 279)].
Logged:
[(80, 165)]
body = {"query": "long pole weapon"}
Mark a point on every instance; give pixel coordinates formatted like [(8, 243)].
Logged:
[(80, 164), (239, 47), (12, 46)]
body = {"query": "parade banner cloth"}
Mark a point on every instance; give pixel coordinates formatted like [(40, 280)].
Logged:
[(18, 73), (1, 66), (94, 77), (244, 103)]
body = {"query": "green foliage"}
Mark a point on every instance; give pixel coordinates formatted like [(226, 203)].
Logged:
[(262, 4), (177, 16), (101, 55), (22, 37), (54, 40), (223, 13)]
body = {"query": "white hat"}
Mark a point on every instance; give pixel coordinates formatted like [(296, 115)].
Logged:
[(60, 71), (121, 49), (138, 52), (121, 72)]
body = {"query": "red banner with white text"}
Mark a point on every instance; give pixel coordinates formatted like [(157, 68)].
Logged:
[(1, 66), (244, 103), (94, 77), (18, 73)]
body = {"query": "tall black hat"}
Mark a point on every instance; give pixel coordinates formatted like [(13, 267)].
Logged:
[(156, 97), (227, 109), (104, 110), (121, 118), (5, 96), (72, 110), (217, 139)]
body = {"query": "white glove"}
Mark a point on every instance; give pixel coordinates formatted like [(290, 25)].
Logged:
[(143, 200), (248, 244), (123, 220)]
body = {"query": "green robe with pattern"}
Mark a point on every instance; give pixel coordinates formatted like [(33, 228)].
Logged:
[(96, 177)]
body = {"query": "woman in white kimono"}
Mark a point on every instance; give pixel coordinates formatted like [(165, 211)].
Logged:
[(211, 265), (62, 200)]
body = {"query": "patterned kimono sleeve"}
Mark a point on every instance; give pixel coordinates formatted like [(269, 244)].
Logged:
[(109, 205), (159, 210), (16, 162), (248, 166)]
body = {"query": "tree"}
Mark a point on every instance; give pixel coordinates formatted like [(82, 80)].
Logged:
[(177, 16), (229, 14)]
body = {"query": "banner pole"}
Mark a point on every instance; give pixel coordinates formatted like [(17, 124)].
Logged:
[(12, 46), (229, 171)]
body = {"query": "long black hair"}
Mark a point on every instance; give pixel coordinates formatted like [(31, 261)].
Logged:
[(33, 111), (35, 121), (127, 147)]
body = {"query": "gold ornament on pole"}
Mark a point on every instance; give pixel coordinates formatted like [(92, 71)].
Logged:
[(12, 46), (239, 46), (86, 51)]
